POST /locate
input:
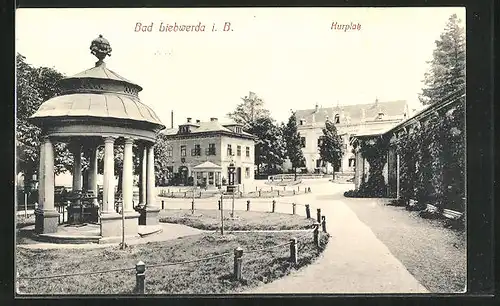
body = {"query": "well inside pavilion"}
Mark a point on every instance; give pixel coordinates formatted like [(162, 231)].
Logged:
[(98, 107)]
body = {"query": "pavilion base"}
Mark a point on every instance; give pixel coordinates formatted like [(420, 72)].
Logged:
[(46, 221), (112, 224), (149, 215)]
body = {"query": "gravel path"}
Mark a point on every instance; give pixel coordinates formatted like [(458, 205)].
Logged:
[(354, 261), (435, 255)]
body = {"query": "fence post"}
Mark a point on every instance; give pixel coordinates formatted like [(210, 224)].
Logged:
[(319, 215), (274, 206), (185, 194), (259, 193), (140, 276), (271, 189), (294, 192), (192, 207), (162, 204), (308, 211), (25, 205), (248, 205), (323, 219), (293, 251), (316, 234), (294, 208), (238, 254), (298, 188), (219, 204), (278, 193), (255, 188)]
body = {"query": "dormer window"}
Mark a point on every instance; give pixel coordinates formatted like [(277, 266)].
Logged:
[(184, 129), (337, 119), (380, 116), (237, 129)]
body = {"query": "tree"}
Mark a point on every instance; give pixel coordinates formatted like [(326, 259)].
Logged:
[(331, 148), (34, 86), (269, 147), (446, 74), (293, 144), (250, 110), (161, 158)]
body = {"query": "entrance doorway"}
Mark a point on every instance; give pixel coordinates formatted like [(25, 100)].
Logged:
[(183, 175)]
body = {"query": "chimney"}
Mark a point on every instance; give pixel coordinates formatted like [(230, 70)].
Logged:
[(251, 95), (172, 119), (213, 119), (197, 121), (189, 119), (317, 107)]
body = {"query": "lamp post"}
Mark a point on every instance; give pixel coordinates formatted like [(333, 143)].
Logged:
[(230, 188)]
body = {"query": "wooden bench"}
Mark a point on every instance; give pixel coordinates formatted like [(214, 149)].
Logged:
[(452, 214)]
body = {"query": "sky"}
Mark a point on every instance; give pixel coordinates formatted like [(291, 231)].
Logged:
[(290, 57)]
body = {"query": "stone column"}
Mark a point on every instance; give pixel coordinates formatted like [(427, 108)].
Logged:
[(213, 178), (142, 176), (92, 173), (108, 198), (150, 196), (77, 166), (46, 217), (128, 178), (93, 170), (149, 214), (41, 174)]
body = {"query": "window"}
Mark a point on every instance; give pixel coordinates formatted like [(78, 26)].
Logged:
[(303, 142), (238, 150), (238, 130), (247, 172), (247, 151), (184, 129), (301, 122), (170, 151), (337, 118), (352, 162), (211, 149), (183, 151), (229, 150), (196, 151)]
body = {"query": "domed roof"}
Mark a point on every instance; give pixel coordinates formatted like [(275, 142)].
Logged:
[(97, 93)]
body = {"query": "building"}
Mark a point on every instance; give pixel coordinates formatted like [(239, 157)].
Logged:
[(349, 120), (391, 168), (195, 143)]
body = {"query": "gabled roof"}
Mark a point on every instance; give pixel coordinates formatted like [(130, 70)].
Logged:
[(213, 126), (354, 112)]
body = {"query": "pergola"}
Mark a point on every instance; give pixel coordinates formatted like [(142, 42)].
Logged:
[(207, 168), (98, 107)]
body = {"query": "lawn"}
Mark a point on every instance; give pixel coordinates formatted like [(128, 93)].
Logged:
[(434, 255), (244, 220), (212, 276)]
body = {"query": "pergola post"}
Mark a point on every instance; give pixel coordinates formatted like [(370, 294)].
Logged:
[(46, 217), (108, 198)]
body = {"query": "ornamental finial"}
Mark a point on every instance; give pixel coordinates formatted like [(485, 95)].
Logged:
[(100, 47)]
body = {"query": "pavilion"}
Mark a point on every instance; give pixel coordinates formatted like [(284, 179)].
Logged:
[(98, 107), (210, 172)]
